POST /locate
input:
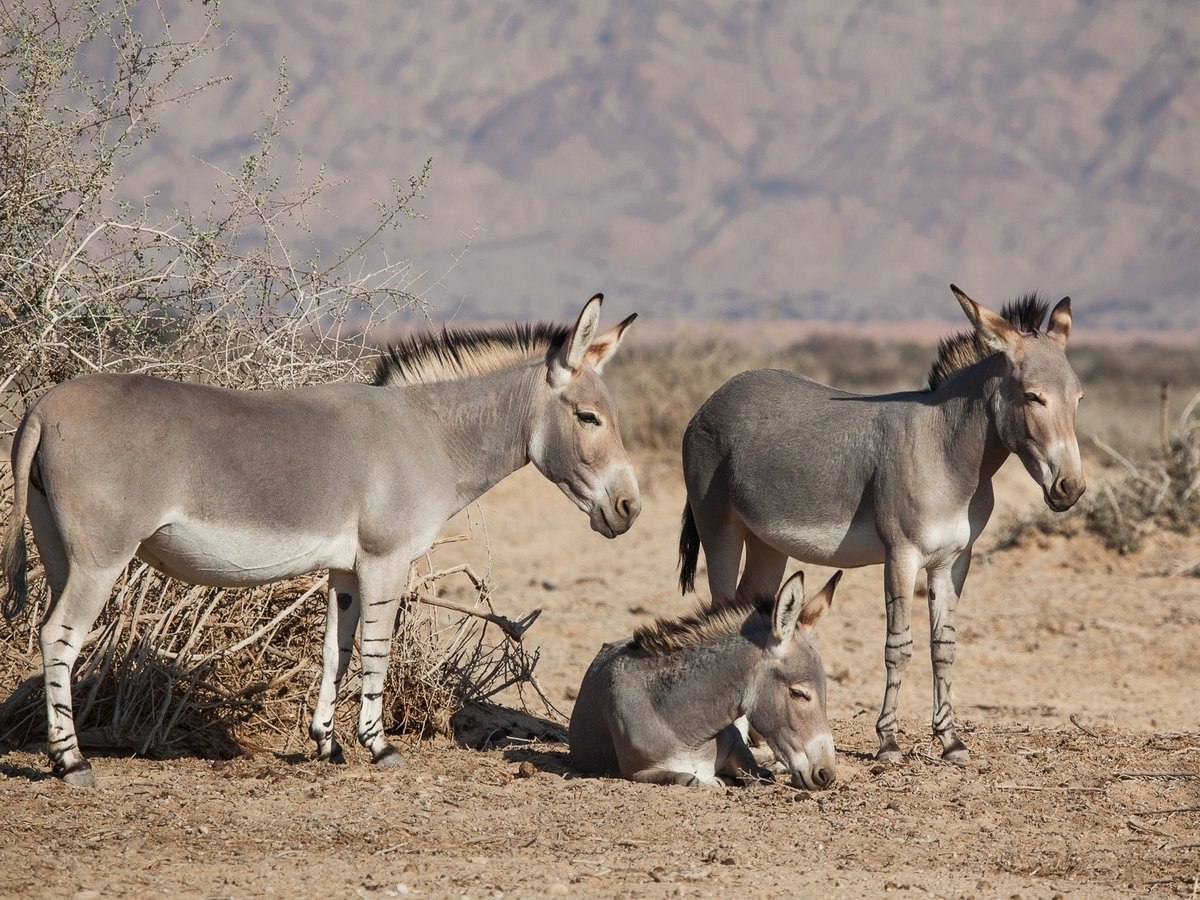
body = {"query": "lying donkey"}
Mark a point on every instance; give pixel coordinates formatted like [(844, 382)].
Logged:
[(659, 707)]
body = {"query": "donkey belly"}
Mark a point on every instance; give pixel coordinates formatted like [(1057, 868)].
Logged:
[(823, 543), (229, 555)]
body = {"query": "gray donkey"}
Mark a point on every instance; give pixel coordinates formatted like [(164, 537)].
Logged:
[(787, 467), (239, 488), (660, 707)]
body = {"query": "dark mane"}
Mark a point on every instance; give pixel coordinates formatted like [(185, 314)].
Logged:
[(961, 350), (704, 625), (451, 355)]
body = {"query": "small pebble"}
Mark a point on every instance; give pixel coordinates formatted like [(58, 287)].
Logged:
[(526, 769)]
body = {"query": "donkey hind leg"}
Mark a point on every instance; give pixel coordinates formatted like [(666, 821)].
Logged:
[(763, 572), (721, 535), (71, 615), (945, 589), (341, 623), (899, 579), (381, 587), (761, 577)]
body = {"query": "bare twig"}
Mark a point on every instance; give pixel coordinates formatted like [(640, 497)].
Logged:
[(1075, 721)]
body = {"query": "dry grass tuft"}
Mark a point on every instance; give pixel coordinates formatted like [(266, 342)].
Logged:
[(1156, 489)]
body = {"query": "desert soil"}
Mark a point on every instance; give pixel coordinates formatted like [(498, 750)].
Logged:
[(1075, 687)]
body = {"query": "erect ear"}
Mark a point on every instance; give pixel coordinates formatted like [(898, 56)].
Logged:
[(997, 334), (788, 604), (816, 606), (570, 359), (1060, 322), (606, 345)]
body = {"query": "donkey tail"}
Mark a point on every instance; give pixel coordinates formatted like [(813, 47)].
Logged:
[(13, 555), (689, 551)]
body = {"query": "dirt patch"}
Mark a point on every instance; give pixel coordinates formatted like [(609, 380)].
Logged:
[(1075, 689)]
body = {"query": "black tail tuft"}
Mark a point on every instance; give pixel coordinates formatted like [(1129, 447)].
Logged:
[(689, 551), (14, 564)]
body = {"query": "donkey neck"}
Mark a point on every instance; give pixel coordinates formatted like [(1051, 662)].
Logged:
[(701, 689), (483, 424), (966, 404)]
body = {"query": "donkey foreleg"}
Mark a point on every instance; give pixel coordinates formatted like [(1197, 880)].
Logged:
[(341, 623), (381, 585), (899, 578), (945, 588), (658, 775), (736, 760)]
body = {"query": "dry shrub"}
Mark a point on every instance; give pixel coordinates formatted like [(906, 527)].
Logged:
[(1159, 489), (171, 668), (237, 295)]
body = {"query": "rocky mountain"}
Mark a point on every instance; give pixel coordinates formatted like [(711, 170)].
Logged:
[(821, 160)]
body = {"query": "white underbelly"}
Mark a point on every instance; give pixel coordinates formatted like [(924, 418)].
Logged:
[(231, 556), (826, 545)]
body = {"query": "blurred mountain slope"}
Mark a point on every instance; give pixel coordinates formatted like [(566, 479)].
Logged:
[(826, 160)]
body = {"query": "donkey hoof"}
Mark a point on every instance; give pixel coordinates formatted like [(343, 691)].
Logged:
[(79, 775), (335, 757), (959, 755), (390, 757), (889, 751)]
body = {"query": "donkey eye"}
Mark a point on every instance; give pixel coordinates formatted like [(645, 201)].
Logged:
[(799, 693), (1034, 397), (587, 418)]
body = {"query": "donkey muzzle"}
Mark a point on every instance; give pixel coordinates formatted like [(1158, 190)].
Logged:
[(617, 515), (616, 503), (1065, 492)]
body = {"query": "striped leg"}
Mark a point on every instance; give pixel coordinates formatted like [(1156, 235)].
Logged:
[(899, 577), (945, 589), (62, 635), (341, 623), (382, 588)]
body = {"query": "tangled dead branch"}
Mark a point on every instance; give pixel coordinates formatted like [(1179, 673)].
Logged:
[(237, 294), (172, 668)]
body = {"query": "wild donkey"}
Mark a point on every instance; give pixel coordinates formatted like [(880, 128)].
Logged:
[(786, 467), (660, 706), (238, 488)]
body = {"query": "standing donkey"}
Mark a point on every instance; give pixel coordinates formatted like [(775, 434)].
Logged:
[(659, 707), (785, 466), (239, 488)]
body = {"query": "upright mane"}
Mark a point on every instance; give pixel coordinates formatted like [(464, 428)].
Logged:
[(961, 350), (452, 355), (704, 625)]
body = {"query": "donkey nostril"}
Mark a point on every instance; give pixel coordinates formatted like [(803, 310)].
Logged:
[(822, 777), (627, 507), (1065, 487)]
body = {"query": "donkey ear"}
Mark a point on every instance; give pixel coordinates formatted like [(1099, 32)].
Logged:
[(819, 604), (788, 604), (606, 345), (997, 334), (1060, 322), (570, 359)]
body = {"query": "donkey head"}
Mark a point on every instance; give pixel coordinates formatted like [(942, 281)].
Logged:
[(574, 440), (1035, 406), (788, 706)]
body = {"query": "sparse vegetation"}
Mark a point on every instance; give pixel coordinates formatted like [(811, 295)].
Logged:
[(1157, 489), (232, 292)]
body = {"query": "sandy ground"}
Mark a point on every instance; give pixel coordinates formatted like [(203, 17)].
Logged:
[(1076, 690)]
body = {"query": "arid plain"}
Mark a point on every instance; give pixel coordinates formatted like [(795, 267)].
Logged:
[(1075, 687)]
